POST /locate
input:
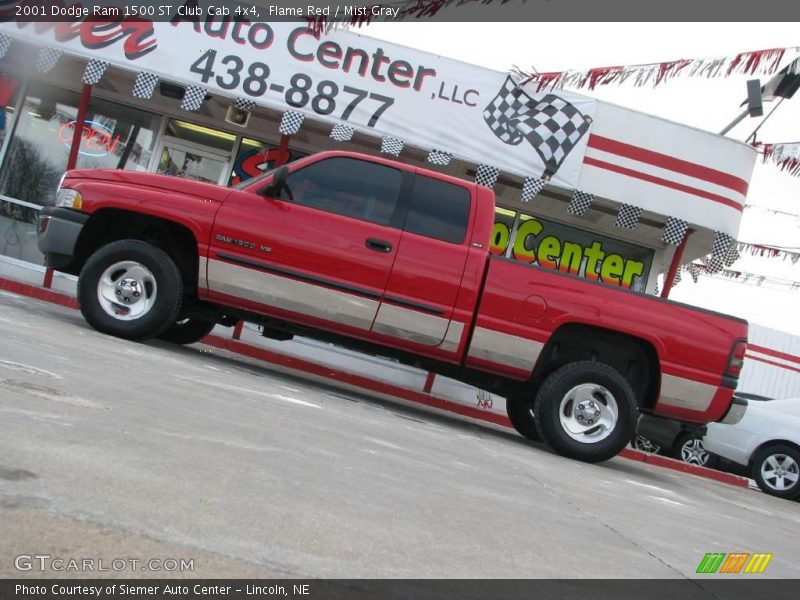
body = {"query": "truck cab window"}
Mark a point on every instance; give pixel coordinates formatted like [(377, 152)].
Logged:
[(438, 210), (346, 186)]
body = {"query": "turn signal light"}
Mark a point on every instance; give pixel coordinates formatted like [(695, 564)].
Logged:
[(69, 199)]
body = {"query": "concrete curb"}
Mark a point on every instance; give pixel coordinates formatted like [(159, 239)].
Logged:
[(380, 387)]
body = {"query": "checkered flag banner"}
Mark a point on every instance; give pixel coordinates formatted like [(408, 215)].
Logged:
[(48, 57), (694, 271), (674, 231), (722, 244), (677, 279), (487, 176), (531, 188), (580, 203), (245, 104), (628, 216), (342, 133), (94, 71), (5, 44), (714, 264), (551, 125), (732, 255), (145, 85), (392, 146), (291, 122), (193, 98), (437, 157)]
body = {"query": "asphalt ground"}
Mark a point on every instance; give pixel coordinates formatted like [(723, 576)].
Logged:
[(118, 450)]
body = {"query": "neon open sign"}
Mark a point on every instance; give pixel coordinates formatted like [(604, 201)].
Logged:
[(96, 138)]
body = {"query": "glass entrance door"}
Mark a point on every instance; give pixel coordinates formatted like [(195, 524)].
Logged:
[(195, 152)]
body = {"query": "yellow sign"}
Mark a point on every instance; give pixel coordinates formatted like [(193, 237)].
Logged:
[(559, 247)]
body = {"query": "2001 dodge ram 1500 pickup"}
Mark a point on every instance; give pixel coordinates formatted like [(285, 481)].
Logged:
[(390, 259)]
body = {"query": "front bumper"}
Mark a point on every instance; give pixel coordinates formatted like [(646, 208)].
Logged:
[(57, 234)]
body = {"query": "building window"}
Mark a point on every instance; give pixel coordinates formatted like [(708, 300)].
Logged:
[(257, 157), (113, 137)]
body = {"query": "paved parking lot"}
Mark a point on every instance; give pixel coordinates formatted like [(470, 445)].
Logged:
[(116, 449)]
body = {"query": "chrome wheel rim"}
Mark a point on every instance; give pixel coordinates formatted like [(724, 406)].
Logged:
[(780, 472), (693, 452), (127, 290), (588, 413), (642, 443)]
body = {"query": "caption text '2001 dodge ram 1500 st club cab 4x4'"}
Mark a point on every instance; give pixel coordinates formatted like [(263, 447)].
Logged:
[(390, 259)]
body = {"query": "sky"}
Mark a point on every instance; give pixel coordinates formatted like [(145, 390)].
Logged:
[(708, 104)]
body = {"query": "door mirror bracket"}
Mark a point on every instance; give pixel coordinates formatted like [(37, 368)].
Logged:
[(278, 184)]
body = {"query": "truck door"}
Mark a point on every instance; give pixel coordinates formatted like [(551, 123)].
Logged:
[(420, 296), (322, 252)]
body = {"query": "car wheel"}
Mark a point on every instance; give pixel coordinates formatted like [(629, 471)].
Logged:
[(587, 411), (690, 449), (642, 443), (520, 413), (776, 470), (130, 289), (186, 331)]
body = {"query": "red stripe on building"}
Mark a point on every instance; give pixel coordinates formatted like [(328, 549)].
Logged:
[(593, 162), (772, 362), (776, 353), (665, 161)]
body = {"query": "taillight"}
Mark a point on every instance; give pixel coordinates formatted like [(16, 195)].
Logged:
[(736, 359)]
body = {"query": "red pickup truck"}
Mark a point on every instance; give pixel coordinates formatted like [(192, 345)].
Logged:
[(389, 259)]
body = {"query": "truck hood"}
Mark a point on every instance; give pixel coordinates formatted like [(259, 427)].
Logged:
[(162, 182)]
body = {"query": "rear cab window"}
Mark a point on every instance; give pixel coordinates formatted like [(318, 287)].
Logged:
[(439, 210)]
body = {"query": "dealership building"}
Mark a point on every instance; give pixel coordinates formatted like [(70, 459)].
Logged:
[(582, 186)]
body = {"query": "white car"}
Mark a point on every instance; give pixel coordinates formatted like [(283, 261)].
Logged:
[(765, 436)]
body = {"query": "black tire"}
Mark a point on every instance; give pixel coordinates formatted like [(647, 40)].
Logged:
[(153, 276), (785, 456), (520, 413), (689, 448), (589, 384), (186, 331)]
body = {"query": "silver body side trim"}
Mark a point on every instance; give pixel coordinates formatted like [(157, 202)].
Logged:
[(685, 393), (410, 325), (504, 349), (288, 294), (202, 278)]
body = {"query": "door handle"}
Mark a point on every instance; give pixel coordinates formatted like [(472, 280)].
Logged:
[(378, 245)]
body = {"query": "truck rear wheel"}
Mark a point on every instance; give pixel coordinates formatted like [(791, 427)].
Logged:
[(130, 289), (587, 411), (520, 413)]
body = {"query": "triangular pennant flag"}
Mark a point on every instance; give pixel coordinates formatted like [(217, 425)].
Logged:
[(245, 104), (531, 188), (48, 57), (437, 157), (291, 122), (145, 85), (487, 176), (580, 203), (674, 231), (5, 44), (391, 146), (628, 216), (722, 243), (342, 133), (94, 71), (193, 98)]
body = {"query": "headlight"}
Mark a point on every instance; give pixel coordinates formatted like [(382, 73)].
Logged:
[(69, 198)]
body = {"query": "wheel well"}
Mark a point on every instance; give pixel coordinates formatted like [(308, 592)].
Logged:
[(769, 443), (634, 358), (111, 224)]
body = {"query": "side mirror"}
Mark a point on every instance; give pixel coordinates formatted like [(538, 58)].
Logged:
[(278, 182)]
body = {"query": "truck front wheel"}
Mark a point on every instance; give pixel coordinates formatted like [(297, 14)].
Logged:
[(587, 411), (130, 289)]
